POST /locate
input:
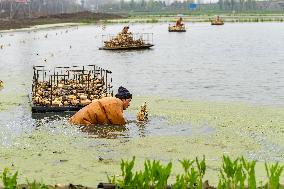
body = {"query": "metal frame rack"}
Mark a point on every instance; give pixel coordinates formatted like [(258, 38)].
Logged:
[(85, 77)]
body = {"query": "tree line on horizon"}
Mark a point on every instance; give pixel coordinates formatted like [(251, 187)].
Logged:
[(162, 6), (34, 8)]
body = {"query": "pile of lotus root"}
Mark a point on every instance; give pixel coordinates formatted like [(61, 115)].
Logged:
[(142, 115), (69, 93), (124, 40), (176, 28)]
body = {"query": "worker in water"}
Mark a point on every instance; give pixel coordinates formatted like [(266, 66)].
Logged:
[(108, 110), (179, 22)]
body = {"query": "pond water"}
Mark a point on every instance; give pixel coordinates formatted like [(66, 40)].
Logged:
[(206, 83)]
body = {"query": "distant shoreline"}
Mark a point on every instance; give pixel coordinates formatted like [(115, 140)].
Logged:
[(57, 20), (198, 18), (81, 18)]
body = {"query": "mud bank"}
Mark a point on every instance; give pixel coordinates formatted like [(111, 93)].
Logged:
[(80, 17)]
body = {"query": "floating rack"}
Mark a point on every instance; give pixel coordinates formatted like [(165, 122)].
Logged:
[(146, 38), (68, 88)]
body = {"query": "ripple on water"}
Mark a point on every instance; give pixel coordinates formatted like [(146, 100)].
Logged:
[(155, 126), (267, 149)]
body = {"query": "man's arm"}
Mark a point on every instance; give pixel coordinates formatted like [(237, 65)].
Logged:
[(114, 114)]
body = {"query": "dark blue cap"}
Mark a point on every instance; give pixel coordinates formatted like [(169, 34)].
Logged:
[(123, 93)]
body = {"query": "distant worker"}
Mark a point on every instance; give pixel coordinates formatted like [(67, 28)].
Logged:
[(108, 110), (1, 84), (218, 19), (179, 22), (125, 30)]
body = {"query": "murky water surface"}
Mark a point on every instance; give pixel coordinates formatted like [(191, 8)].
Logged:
[(211, 90)]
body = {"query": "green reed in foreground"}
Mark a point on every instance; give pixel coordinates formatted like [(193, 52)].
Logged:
[(154, 174), (9, 181), (192, 176), (250, 171), (36, 185), (234, 174), (273, 173)]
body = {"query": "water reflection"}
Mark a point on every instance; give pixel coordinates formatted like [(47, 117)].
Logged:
[(155, 126), (51, 116), (104, 131)]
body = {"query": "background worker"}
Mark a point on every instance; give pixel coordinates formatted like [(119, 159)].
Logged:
[(108, 110), (179, 22), (125, 30), (218, 19)]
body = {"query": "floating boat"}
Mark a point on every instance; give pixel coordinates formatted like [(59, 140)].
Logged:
[(144, 46), (217, 23), (176, 29), (127, 41)]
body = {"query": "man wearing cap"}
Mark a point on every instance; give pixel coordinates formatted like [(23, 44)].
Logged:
[(108, 110)]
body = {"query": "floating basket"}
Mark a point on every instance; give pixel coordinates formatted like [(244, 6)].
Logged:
[(127, 41), (217, 23), (68, 88), (176, 28)]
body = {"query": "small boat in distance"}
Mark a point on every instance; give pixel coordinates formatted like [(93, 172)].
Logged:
[(131, 47), (217, 21), (127, 41), (178, 27)]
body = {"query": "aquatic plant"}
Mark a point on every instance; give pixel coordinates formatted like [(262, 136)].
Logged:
[(232, 174), (189, 178), (250, 170), (9, 180), (154, 174), (273, 173), (36, 185), (201, 166)]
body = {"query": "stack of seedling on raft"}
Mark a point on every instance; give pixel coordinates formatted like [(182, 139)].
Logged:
[(70, 86), (127, 41), (176, 28), (124, 40)]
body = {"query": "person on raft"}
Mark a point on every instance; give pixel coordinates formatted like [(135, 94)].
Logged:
[(107, 110), (179, 22)]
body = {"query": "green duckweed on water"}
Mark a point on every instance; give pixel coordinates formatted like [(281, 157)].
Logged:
[(228, 117), (8, 100), (59, 153)]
